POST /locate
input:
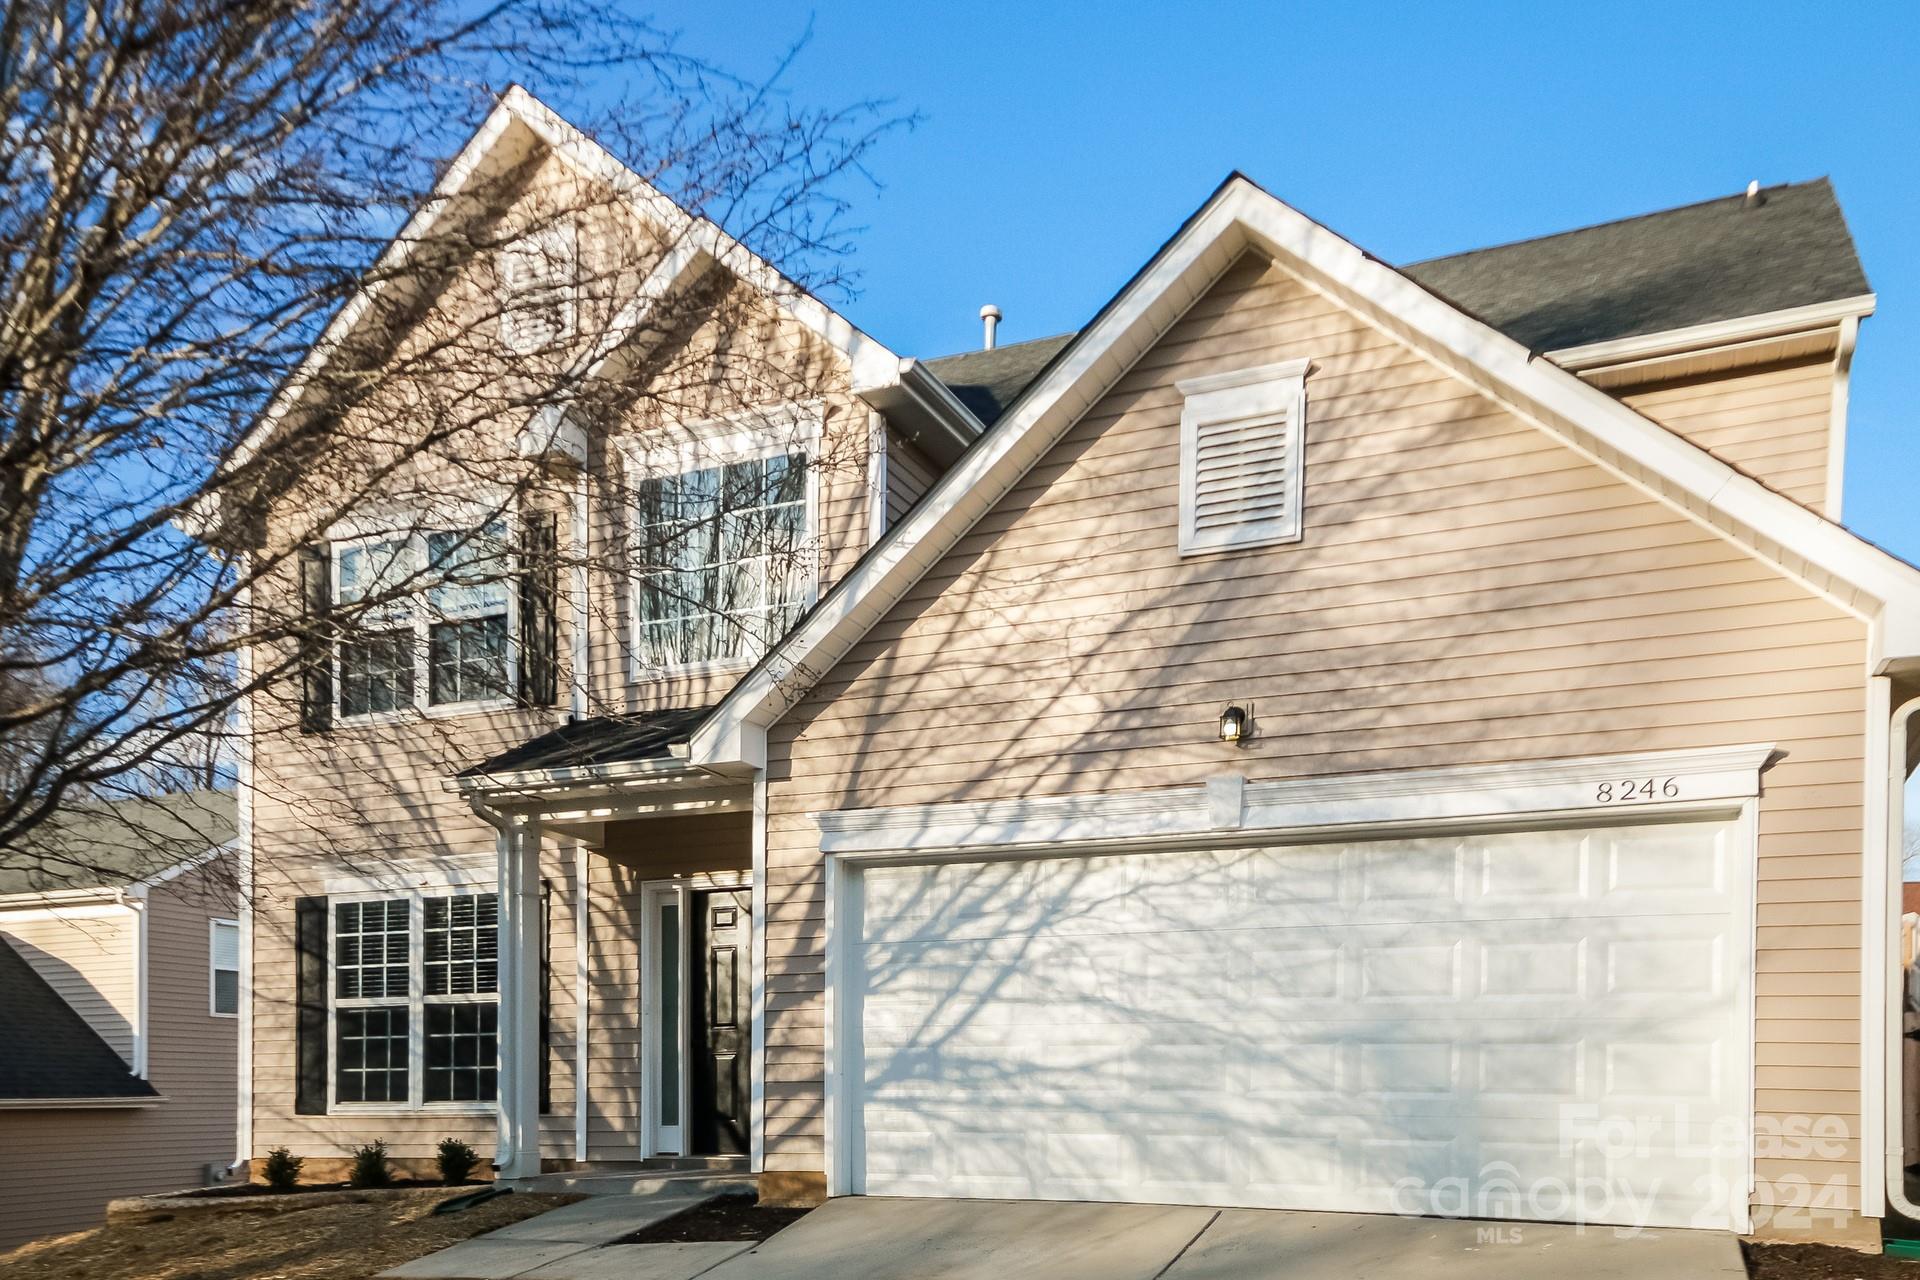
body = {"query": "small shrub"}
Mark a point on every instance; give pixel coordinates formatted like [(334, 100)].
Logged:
[(282, 1169), (457, 1160), (370, 1167)]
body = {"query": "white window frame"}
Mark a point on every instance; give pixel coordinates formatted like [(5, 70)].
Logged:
[(740, 437), (414, 613), (214, 925), (416, 1003), (1271, 392)]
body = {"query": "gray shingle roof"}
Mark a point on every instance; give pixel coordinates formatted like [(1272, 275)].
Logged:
[(1718, 260), (115, 843), (46, 1049), (598, 740), (1693, 265), (988, 381)]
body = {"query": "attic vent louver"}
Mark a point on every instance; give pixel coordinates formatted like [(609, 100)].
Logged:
[(1241, 457), (536, 284)]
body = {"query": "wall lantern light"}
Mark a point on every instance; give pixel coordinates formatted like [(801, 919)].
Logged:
[(1234, 723)]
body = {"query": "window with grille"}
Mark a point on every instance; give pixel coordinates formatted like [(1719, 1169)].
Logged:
[(415, 999), (434, 618), (1242, 464)]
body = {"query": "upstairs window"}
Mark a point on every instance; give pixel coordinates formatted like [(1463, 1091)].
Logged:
[(442, 646), (1241, 457), (726, 560), (537, 286)]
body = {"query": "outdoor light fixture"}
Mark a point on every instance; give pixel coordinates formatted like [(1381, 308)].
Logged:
[(1233, 724)]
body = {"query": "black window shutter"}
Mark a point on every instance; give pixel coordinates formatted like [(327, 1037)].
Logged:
[(546, 996), (539, 609), (316, 645), (310, 1028)]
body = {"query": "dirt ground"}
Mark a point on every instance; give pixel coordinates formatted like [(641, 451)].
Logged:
[(353, 1241), (1816, 1262)]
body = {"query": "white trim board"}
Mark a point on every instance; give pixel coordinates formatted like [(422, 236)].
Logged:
[(500, 140), (1818, 554), (1589, 788)]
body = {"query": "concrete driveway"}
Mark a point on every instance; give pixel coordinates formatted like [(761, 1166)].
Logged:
[(868, 1238)]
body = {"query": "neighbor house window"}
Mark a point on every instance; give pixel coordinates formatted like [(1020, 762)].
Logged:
[(726, 559), (415, 999), (1242, 462), (223, 962), (441, 646)]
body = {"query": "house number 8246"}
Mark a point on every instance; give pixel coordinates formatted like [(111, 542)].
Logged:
[(1629, 791)]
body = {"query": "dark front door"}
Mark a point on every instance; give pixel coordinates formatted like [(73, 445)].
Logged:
[(721, 998)]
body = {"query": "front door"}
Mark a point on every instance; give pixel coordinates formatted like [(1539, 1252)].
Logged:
[(721, 999)]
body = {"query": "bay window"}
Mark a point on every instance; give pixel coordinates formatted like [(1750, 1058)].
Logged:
[(726, 559), (415, 999)]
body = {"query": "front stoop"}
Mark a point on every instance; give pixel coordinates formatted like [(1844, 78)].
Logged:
[(640, 1180)]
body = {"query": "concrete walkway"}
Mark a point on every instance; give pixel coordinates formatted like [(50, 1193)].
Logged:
[(881, 1239), (574, 1242)]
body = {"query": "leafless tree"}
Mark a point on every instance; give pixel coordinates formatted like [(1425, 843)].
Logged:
[(195, 190)]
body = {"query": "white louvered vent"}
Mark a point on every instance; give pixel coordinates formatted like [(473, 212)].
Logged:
[(1241, 461), (536, 281)]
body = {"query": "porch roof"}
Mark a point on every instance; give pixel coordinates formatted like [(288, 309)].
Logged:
[(594, 743)]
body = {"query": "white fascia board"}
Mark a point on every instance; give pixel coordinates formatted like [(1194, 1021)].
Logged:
[(80, 1104), (734, 735), (1718, 333), (868, 358), (1815, 552), (870, 361), (470, 160)]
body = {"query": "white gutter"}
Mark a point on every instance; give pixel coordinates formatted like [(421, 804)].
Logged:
[(243, 879), (487, 787), (1837, 417), (1669, 342)]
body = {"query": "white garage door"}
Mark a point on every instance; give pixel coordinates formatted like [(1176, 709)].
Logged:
[(1545, 1024)]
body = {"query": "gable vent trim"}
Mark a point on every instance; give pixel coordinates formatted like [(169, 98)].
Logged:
[(1242, 462)]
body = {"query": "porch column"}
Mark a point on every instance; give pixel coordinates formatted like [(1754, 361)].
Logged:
[(517, 1152)]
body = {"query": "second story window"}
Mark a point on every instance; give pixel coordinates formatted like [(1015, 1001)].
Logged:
[(223, 965), (434, 620), (726, 559)]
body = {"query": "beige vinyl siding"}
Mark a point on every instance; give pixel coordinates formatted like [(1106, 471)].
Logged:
[(910, 473), (1467, 591), (89, 955), (1770, 422), (704, 851), (62, 1167)]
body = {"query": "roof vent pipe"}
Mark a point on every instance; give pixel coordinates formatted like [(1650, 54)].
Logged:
[(1754, 198), (990, 318)]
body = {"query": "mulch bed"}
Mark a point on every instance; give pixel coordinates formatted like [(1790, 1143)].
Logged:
[(727, 1218), (1824, 1262), (262, 1189), (329, 1241)]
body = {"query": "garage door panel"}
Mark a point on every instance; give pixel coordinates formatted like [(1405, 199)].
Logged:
[(1336, 1027)]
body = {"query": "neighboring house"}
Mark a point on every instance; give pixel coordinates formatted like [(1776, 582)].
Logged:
[(119, 1009), (1322, 736)]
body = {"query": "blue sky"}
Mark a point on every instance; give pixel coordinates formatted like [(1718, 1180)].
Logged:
[(1061, 144)]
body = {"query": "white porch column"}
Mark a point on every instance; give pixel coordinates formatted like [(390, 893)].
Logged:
[(517, 1153)]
